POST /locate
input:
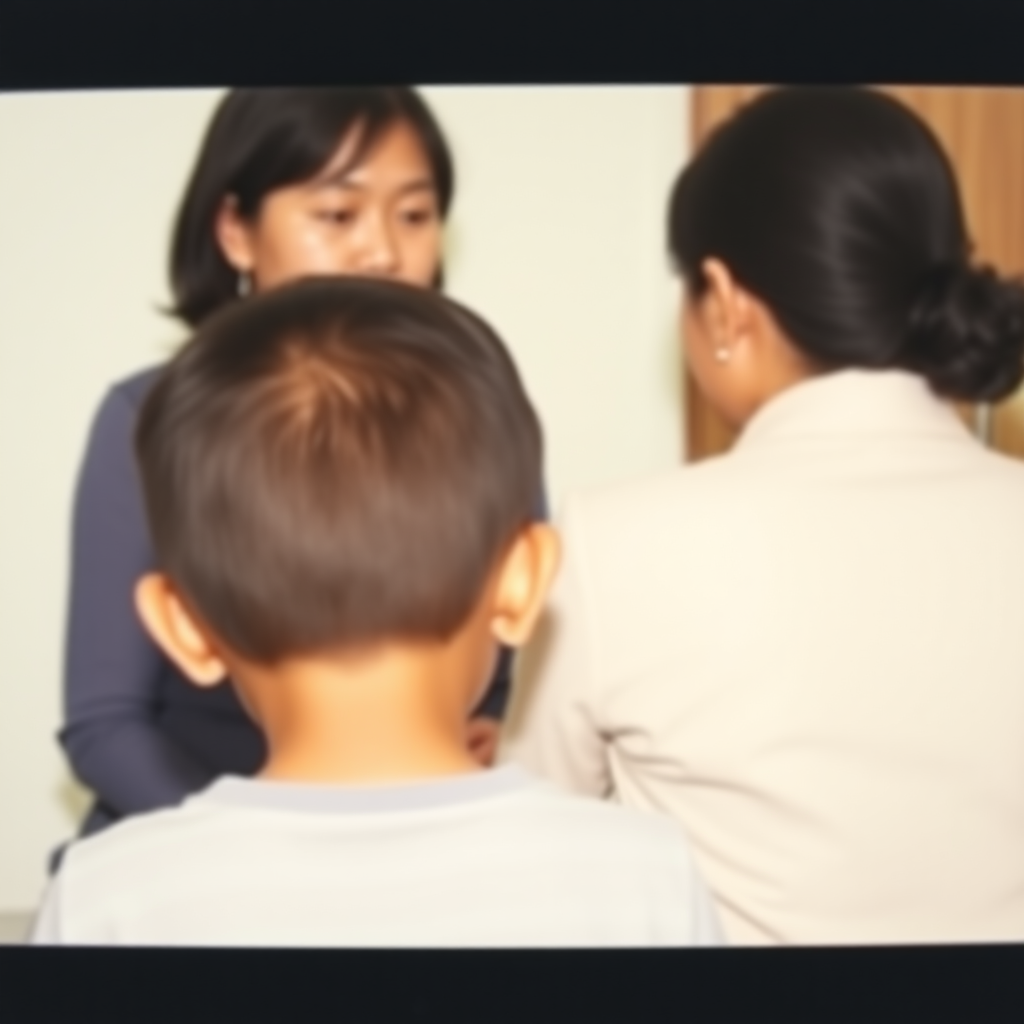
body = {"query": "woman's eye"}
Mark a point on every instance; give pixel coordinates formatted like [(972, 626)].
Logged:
[(336, 216), (418, 216)]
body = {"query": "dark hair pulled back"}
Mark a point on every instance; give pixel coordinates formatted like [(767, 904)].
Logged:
[(839, 209)]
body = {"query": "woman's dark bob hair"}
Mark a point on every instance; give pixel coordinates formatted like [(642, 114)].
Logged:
[(839, 209), (264, 139)]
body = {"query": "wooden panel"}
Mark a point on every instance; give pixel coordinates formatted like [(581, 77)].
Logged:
[(983, 132)]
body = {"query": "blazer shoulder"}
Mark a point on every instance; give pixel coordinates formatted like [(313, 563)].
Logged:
[(1008, 467), (676, 491)]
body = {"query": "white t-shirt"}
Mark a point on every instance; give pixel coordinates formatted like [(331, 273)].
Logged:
[(497, 858)]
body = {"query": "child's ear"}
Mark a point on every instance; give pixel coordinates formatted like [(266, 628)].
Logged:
[(524, 580), (176, 632)]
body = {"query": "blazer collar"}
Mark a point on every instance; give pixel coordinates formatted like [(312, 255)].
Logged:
[(854, 402)]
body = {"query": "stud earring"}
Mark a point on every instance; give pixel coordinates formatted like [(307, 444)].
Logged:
[(722, 354), (244, 284)]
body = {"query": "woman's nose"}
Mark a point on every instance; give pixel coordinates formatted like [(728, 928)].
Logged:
[(379, 251)]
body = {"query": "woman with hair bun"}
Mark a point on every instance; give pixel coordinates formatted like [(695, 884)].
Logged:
[(810, 650)]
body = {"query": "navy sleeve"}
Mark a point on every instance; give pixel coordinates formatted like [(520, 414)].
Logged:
[(496, 699), (112, 668)]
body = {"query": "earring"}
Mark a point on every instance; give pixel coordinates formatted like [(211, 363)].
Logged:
[(244, 283), (722, 354)]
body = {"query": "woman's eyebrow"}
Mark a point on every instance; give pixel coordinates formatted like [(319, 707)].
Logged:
[(342, 179), (420, 185)]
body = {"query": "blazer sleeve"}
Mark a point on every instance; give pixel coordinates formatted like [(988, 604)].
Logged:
[(552, 727), (495, 701), (112, 668)]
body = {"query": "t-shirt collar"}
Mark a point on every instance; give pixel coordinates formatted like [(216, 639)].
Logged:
[(329, 798)]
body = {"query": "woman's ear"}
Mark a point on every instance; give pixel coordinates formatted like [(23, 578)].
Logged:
[(233, 235), (176, 632), (727, 308), (524, 580)]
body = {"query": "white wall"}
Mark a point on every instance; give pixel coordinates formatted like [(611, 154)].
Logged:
[(560, 242), (556, 238)]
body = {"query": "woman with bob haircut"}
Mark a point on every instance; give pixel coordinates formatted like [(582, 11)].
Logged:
[(288, 183), (809, 650)]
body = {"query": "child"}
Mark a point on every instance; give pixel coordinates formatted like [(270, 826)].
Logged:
[(340, 479)]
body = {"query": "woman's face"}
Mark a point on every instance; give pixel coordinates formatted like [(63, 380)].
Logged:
[(380, 218)]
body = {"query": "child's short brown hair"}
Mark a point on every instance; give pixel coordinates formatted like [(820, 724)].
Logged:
[(335, 462)]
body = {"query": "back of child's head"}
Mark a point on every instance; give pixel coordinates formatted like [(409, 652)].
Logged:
[(334, 463)]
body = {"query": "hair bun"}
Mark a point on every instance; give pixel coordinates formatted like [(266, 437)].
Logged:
[(966, 333)]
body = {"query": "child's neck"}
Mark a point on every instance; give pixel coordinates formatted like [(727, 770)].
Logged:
[(389, 715)]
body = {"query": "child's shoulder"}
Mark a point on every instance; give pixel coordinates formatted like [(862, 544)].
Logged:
[(138, 837), (601, 824)]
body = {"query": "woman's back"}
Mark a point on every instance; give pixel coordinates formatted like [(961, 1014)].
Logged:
[(810, 653)]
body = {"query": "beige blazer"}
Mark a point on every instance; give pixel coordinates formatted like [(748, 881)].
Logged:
[(810, 652)]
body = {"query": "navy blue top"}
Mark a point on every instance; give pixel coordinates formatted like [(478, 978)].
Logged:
[(137, 732)]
